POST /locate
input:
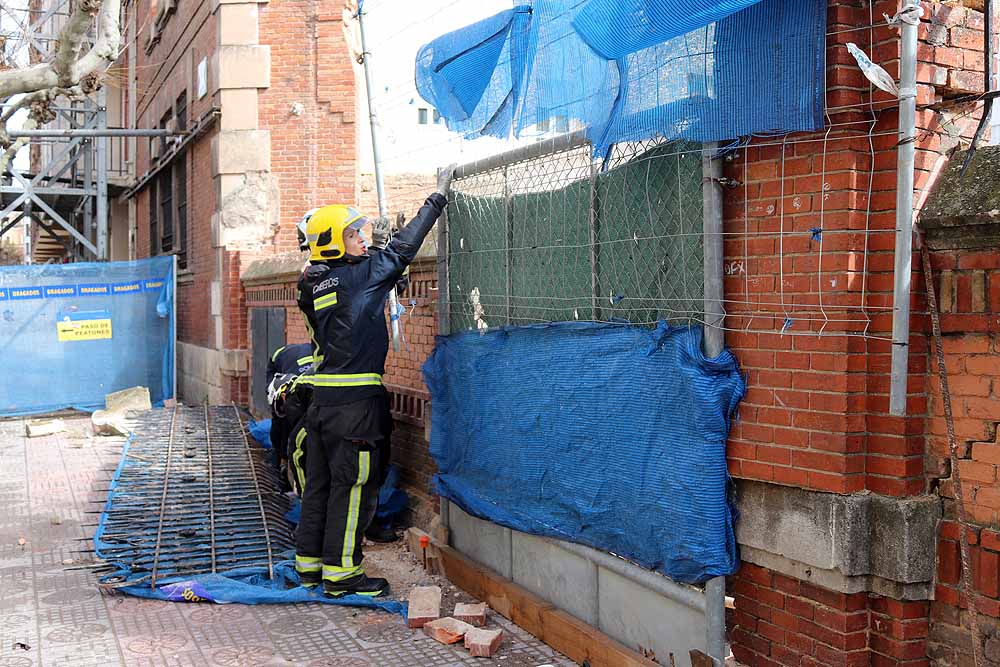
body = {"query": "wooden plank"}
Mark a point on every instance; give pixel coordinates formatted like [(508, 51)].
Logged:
[(516, 603), (699, 659), (565, 633), (463, 572)]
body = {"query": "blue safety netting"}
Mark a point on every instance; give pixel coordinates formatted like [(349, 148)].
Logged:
[(702, 70), (72, 333), (247, 585), (606, 435)]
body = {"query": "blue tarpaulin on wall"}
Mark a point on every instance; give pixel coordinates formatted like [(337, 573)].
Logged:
[(632, 70), (606, 435), (72, 333)]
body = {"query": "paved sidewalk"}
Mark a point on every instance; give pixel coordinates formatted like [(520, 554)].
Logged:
[(51, 615)]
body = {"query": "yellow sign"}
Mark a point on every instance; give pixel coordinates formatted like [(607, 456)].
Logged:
[(84, 330)]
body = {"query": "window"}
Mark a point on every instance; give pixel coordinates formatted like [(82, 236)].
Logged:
[(437, 117), (180, 184), (154, 228), (165, 186), (181, 111), (168, 196), (422, 116), (164, 141)]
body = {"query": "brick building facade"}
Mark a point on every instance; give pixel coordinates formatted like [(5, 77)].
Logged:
[(267, 91)]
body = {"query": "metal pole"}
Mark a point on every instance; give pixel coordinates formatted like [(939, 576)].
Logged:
[(444, 287), (714, 343), (379, 183), (27, 240), (102, 177), (89, 180), (89, 132), (444, 327), (715, 314), (508, 206), (594, 216), (904, 213), (715, 619), (173, 329)]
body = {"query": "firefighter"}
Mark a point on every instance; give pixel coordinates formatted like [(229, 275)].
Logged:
[(343, 295), (288, 407)]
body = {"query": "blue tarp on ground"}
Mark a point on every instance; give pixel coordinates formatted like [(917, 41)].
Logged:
[(72, 333), (606, 435), (243, 585), (634, 69)]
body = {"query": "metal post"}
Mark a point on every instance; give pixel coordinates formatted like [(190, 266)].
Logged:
[(715, 314), (595, 248), (173, 327), (904, 213), (102, 177), (89, 229), (27, 240), (89, 132), (379, 183), (444, 322), (715, 619), (444, 287), (508, 240), (714, 343)]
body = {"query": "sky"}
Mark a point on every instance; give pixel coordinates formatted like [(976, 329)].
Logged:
[(396, 30)]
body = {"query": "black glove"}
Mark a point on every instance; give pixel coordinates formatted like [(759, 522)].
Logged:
[(402, 284)]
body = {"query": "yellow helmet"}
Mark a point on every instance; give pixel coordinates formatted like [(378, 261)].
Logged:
[(325, 230)]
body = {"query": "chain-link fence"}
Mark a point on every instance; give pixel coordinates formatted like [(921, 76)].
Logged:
[(556, 236)]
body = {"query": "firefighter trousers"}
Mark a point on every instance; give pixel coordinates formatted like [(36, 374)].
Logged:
[(345, 445)]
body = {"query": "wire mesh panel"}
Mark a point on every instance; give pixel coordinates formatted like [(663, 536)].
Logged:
[(559, 237)]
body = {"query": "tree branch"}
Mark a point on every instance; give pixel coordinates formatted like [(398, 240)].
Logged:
[(69, 68)]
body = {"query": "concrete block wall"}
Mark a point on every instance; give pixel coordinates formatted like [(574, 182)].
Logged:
[(612, 596)]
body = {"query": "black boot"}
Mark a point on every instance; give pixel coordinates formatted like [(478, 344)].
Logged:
[(381, 533), (359, 585), (310, 579)]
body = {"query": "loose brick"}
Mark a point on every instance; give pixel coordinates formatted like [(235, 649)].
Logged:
[(424, 606), (447, 630), (483, 643), (473, 614)]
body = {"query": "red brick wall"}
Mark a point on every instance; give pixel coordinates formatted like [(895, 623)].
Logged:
[(816, 414), (968, 288), (313, 155), (780, 620), (161, 75)]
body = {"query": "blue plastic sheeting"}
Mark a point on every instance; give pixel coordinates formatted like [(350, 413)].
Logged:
[(616, 28), (261, 432), (253, 587), (728, 74), (71, 333), (609, 436), (476, 82), (242, 585)]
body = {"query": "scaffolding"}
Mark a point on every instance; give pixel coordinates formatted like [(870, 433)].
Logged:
[(64, 195)]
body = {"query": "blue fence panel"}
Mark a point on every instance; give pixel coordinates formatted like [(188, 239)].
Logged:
[(606, 435), (72, 333)]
